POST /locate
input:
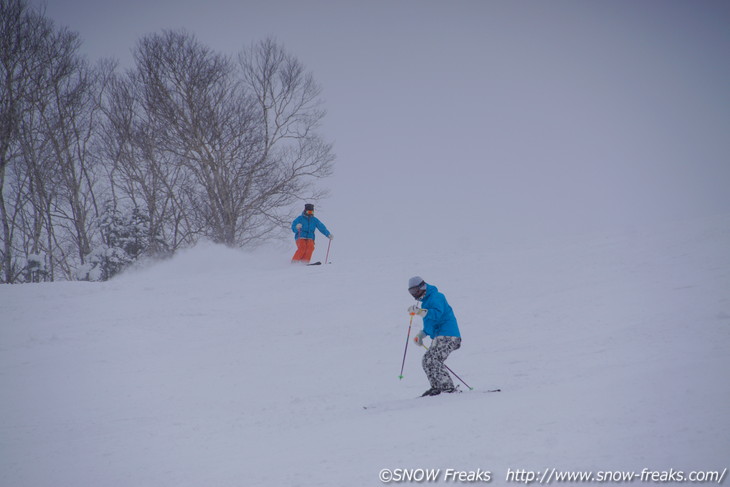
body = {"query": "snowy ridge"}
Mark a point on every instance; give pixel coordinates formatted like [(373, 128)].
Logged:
[(223, 368)]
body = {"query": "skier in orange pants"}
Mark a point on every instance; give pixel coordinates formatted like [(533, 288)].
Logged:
[(304, 227)]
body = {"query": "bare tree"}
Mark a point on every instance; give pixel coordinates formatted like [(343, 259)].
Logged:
[(68, 121), (204, 124), (23, 41), (294, 154), (141, 172), (233, 145)]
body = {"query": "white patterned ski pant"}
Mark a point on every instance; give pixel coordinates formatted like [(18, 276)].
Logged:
[(433, 361)]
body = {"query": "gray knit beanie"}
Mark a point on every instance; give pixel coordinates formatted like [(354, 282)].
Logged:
[(415, 281)]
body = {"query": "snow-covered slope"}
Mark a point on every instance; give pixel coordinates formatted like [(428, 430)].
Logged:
[(221, 368)]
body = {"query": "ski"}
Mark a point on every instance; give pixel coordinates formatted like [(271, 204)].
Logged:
[(408, 402), (470, 390), (316, 263)]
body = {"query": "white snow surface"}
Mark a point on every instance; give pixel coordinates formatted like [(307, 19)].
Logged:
[(225, 368)]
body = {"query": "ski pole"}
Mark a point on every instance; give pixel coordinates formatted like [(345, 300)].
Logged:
[(452, 372), (408, 337), (326, 257)]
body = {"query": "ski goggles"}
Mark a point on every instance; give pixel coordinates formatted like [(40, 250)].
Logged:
[(417, 291)]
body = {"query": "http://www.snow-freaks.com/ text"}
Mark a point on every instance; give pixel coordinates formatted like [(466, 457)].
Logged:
[(549, 476)]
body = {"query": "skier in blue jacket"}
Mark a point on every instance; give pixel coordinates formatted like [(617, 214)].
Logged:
[(304, 227), (439, 323)]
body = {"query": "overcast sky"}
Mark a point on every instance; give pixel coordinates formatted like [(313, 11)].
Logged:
[(485, 119)]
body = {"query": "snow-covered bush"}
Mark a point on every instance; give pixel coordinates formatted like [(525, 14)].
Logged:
[(35, 268), (125, 238)]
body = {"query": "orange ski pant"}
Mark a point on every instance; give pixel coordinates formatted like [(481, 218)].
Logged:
[(305, 248)]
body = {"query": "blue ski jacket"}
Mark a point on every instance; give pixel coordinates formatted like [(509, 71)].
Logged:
[(309, 225), (440, 319)]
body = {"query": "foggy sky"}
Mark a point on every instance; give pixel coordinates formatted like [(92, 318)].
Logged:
[(484, 120)]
